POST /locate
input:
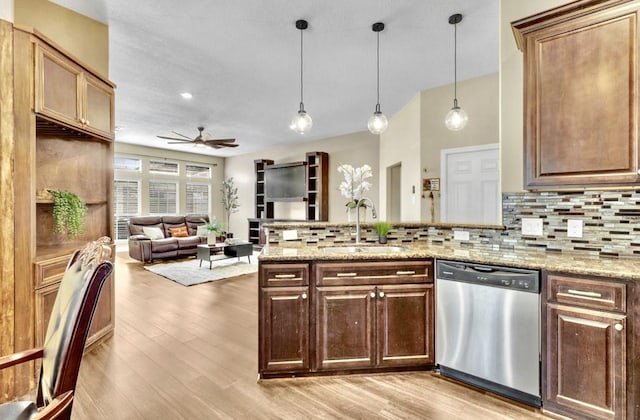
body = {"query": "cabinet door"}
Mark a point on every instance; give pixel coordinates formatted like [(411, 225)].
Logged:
[(405, 325), (581, 96), (57, 87), (345, 330), (585, 367), (284, 329), (98, 107)]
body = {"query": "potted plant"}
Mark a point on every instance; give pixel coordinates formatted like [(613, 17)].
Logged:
[(214, 229), (382, 229), (69, 212), (229, 201)]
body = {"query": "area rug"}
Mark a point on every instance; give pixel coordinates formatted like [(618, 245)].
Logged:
[(189, 272)]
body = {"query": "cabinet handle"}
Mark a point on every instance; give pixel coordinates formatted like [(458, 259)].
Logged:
[(618, 327), (373, 294), (405, 273), (583, 293), (381, 294), (304, 296), (347, 274), (284, 276)]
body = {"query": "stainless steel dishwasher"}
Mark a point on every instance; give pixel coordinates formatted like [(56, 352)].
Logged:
[(488, 328)]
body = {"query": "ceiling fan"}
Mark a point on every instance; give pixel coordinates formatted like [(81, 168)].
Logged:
[(201, 139)]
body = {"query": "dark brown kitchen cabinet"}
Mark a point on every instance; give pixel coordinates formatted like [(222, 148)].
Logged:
[(284, 318), (581, 95), (373, 315), (68, 94), (585, 347)]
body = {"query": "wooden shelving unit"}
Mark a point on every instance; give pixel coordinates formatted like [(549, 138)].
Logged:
[(317, 186)]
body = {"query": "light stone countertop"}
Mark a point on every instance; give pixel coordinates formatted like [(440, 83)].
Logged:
[(620, 268)]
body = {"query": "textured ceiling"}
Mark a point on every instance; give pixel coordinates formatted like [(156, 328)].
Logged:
[(240, 60)]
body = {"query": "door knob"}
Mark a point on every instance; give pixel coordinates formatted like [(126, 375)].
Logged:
[(373, 294), (304, 296), (381, 294), (618, 327)]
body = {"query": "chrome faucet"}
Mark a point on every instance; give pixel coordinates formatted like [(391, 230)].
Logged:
[(373, 214)]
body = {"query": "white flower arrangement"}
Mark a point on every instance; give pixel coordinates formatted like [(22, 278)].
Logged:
[(354, 184)]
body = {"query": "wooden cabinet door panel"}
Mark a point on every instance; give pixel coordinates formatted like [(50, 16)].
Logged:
[(99, 107), (57, 87), (345, 329), (284, 329), (405, 325), (586, 362), (581, 100)]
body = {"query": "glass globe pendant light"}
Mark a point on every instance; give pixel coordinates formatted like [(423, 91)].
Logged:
[(378, 121), (456, 118), (301, 122)]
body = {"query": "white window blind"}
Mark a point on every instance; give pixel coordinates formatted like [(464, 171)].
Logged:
[(163, 197), (198, 171), (127, 164), (163, 167), (126, 200), (197, 198)]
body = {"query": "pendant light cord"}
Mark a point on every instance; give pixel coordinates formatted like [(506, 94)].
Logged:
[(455, 65), (378, 72), (301, 63)]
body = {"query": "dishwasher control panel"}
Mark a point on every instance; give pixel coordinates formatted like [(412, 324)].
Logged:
[(506, 277)]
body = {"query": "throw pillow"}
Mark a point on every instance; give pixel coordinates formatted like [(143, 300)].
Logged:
[(153, 232), (179, 232)]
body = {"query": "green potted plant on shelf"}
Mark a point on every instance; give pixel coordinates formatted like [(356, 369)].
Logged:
[(382, 229), (229, 201), (214, 230), (69, 213)]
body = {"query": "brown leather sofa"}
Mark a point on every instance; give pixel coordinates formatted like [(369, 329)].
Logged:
[(143, 248)]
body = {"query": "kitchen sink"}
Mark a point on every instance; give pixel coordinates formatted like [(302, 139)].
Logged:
[(363, 249)]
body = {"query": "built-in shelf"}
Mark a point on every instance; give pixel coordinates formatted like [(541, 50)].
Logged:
[(87, 202)]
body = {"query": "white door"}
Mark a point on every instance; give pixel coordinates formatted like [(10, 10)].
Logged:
[(470, 190)]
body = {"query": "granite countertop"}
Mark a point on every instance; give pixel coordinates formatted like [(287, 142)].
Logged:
[(620, 268), (292, 224)]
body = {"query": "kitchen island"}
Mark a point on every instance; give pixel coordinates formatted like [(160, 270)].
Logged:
[(589, 305)]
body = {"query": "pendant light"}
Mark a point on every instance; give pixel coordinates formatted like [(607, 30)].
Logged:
[(378, 121), (456, 118), (301, 122)]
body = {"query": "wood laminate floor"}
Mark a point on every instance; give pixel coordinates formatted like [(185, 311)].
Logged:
[(191, 353)]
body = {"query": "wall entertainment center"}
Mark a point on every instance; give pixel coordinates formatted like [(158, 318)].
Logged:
[(306, 181)]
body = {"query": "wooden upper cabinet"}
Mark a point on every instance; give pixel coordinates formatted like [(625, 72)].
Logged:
[(580, 95), (68, 94)]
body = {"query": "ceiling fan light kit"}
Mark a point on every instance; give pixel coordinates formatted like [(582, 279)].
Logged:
[(378, 122), (301, 122), (456, 118)]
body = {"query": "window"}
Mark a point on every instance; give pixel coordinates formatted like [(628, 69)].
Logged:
[(198, 171), (126, 201), (197, 198), (163, 167), (127, 164), (163, 197)]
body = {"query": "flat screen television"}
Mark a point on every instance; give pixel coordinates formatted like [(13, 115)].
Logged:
[(285, 182)]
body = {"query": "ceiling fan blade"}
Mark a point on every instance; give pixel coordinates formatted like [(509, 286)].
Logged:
[(172, 138), (220, 141), (182, 135), (179, 142)]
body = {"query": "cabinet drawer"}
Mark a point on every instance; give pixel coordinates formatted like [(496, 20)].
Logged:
[(281, 275), (50, 271), (588, 292), (387, 272)]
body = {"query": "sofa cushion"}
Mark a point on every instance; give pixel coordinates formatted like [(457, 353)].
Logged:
[(136, 223), (164, 245), (193, 221), (153, 232), (188, 243), (178, 232), (169, 222)]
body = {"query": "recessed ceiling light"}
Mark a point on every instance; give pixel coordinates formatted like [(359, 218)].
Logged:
[(186, 95)]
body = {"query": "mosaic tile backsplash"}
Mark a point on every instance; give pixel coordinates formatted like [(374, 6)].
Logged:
[(610, 219)]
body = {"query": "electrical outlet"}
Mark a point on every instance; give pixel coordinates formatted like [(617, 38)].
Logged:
[(461, 235), (532, 227), (574, 228)]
